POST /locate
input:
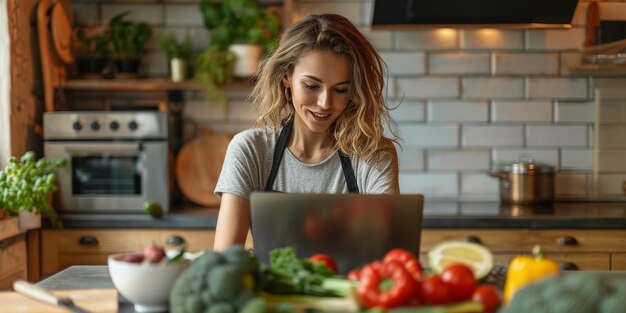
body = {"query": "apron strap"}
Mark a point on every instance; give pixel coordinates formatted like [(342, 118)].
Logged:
[(281, 145), (278, 153)]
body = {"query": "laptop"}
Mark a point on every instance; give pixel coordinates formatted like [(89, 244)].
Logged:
[(353, 229)]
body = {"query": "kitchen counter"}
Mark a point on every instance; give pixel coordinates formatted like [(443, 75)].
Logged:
[(437, 214), (85, 277)]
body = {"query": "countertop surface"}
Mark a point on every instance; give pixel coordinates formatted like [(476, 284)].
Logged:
[(437, 214)]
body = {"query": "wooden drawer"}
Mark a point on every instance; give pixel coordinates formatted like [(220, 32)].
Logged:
[(13, 264), (63, 248), (618, 262), (515, 240)]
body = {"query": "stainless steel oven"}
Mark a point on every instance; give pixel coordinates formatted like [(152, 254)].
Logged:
[(116, 160)]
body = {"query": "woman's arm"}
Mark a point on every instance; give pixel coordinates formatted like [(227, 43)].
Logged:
[(233, 221)]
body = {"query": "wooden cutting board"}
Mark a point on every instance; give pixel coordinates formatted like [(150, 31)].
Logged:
[(198, 166), (94, 300)]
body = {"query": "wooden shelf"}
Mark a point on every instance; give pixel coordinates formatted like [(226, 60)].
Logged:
[(148, 84), (600, 69)]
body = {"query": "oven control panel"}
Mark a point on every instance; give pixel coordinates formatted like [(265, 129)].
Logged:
[(105, 125)]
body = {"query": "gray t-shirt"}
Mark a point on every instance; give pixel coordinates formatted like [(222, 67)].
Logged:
[(248, 163)]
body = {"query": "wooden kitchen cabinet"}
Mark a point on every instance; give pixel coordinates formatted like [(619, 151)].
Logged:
[(572, 248), (618, 261), (63, 248)]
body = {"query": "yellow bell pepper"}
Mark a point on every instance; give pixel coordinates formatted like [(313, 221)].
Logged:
[(527, 269)]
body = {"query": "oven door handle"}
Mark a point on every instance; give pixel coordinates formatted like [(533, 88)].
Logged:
[(129, 149)]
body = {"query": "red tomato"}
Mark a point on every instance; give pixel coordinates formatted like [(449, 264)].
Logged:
[(326, 259), (488, 295), (354, 275), (460, 282), (433, 291), (407, 258)]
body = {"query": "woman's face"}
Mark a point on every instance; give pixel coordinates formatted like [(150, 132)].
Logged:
[(320, 88)]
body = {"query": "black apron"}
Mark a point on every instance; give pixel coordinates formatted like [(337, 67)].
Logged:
[(348, 172)]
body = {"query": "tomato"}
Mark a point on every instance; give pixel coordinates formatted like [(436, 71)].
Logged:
[(460, 282), (433, 290), (488, 295), (354, 275), (407, 259), (326, 259)]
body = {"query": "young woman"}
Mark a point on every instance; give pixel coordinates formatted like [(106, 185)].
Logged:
[(320, 126)]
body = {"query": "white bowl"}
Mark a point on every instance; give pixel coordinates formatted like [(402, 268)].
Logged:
[(146, 285)]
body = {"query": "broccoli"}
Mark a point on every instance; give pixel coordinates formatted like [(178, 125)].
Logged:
[(571, 292), (215, 282)]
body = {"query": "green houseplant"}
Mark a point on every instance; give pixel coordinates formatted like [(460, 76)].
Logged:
[(26, 184), (128, 41), (178, 53), (92, 54), (233, 23)]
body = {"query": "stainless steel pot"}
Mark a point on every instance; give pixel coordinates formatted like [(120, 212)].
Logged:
[(525, 182)]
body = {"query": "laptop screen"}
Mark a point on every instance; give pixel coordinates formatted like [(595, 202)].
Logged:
[(353, 229)]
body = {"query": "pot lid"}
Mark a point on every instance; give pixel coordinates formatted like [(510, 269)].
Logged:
[(527, 165)]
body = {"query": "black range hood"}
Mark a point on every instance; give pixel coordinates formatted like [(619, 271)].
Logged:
[(474, 13)]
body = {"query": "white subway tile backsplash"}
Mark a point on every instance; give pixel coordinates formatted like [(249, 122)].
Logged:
[(410, 158), (568, 185), (526, 63), (457, 111), (521, 111), (428, 87), (87, 13), (611, 160), (429, 184), (491, 38), (575, 112), (458, 63), (611, 136), (435, 39), (556, 39), (611, 111), (493, 87), (351, 10), (429, 135), (240, 111), (479, 184), (149, 13), (568, 61), (200, 38), (576, 159), (183, 14), (458, 160), (403, 63), (200, 110), (608, 185), (558, 88), (486, 136), (407, 111), (380, 39), (558, 136), (508, 156)]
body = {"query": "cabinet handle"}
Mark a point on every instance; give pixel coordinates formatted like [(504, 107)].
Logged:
[(174, 240), (567, 241), (88, 241), (473, 239), (568, 266)]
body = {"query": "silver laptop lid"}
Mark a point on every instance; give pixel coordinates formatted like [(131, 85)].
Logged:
[(353, 229)]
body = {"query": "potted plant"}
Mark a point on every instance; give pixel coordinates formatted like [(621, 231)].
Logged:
[(128, 44), (241, 27), (26, 186), (178, 53), (92, 54)]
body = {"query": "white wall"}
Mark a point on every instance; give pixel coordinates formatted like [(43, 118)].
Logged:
[(5, 84), (472, 98)]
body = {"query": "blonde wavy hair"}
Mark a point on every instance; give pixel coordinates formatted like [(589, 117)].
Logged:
[(359, 129)]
